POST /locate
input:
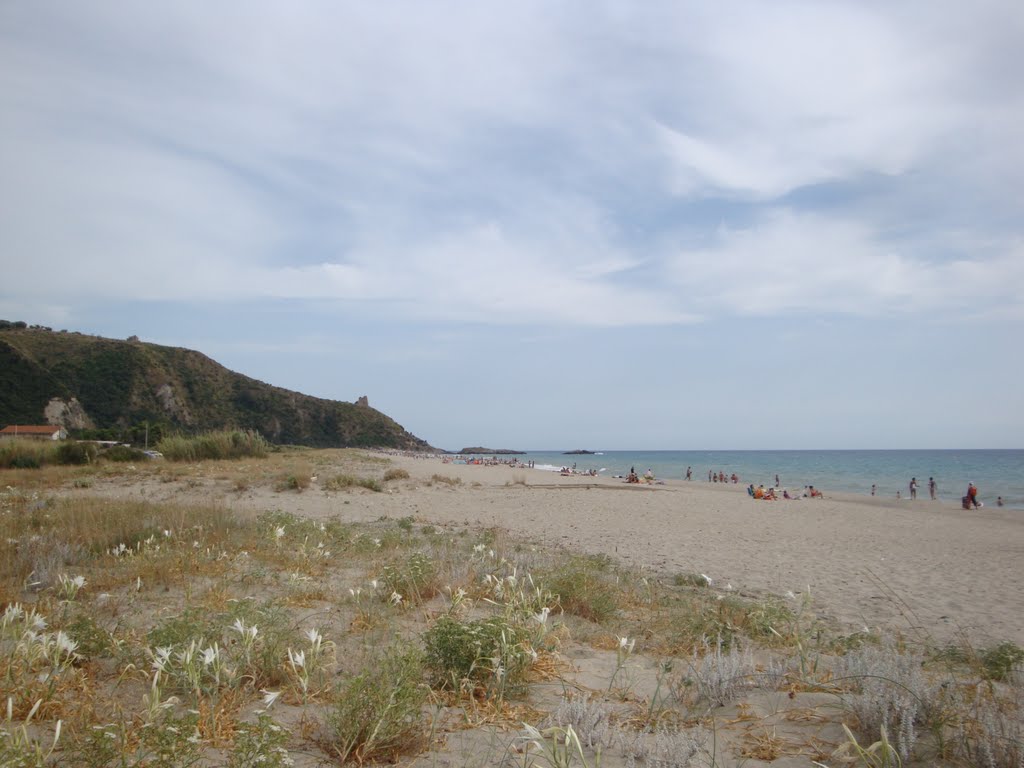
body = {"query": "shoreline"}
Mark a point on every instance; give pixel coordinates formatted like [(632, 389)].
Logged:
[(917, 566), (998, 472)]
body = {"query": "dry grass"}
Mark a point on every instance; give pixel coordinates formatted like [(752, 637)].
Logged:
[(503, 621)]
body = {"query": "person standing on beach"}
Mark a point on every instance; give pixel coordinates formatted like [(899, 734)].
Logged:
[(972, 495), (873, 489), (689, 473), (776, 481), (913, 488), (932, 487)]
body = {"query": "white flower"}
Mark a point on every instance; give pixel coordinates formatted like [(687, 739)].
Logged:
[(269, 697), (279, 532), (626, 645), (479, 548), (315, 638), (167, 533), (542, 617), (374, 583), (706, 578), (210, 655), (790, 595), (297, 658), (395, 598), (376, 542), (65, 643), (78, 581)]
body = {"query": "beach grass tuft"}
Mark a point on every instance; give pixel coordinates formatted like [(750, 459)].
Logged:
[(377, 713)]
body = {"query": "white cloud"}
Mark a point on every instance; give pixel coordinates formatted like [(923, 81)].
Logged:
[(510, 164), (790, 262), (790, 94)]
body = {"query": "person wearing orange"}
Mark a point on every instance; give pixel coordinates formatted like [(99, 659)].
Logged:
[(972, 495)]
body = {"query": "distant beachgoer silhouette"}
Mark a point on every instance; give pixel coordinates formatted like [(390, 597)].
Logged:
[(932, 487), (913, 487)]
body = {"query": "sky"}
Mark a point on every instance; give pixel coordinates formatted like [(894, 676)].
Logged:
[(541, 225)]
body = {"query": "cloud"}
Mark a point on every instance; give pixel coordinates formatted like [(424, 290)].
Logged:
[(797, 262), (795, 94), (516, 164)]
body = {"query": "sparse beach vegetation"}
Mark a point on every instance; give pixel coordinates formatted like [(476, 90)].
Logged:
[(139, 633)]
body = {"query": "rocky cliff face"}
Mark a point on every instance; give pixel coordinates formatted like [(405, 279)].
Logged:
[(68, 414)]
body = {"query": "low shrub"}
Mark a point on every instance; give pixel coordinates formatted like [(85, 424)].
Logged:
[(76, 453), (415, 579), (293, 481), (339, 482), (228, 444), (585, 588), (446, 479), (1000, 661), (492, 655), (26, 454), (377, 714), (124, 453), (395, 474)]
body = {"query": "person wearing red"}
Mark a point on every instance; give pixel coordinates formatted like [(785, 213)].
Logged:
[(972, 495)]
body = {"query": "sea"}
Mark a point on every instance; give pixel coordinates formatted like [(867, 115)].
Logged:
[(995, 472)]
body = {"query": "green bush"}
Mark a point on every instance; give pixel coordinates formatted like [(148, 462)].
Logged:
[(585, 588), (17, 453), (999, 661), (124, 453), (378, 712), (231, 444), (415, 579), (492, 654), (76, 453)]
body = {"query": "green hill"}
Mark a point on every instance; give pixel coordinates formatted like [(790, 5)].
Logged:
[(88, 383)]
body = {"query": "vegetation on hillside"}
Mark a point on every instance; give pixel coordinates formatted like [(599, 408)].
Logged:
[(122, 385)]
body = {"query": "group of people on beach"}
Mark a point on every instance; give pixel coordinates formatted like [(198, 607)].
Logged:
[(768, 494), (969, 500), (933, 488), (633, 477)]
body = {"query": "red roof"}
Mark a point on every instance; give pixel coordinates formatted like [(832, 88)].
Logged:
[(26, 430)]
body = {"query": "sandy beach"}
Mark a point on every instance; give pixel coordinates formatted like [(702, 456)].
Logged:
[(923, 567)]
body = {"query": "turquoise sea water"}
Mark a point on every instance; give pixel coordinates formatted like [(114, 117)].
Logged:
[(995, 472)]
